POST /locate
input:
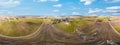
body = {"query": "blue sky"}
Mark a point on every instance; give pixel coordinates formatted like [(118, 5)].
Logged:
[(59, 7)]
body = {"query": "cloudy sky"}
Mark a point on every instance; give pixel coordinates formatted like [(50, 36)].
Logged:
[(59, 7)]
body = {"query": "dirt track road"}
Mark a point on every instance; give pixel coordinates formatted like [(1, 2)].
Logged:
[(106, 35)]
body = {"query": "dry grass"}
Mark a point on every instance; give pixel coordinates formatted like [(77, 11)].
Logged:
[(20, 27), (73, 24)]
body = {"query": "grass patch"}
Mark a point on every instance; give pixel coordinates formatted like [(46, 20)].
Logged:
[(117, 28), (73, 24), (20, 27), (103, 18)]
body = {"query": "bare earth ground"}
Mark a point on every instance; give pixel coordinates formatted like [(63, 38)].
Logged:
[(47, 34), (115, 20)]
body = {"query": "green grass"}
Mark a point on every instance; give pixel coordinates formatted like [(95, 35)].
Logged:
[(20, 27), (73, 24), (117, 28)]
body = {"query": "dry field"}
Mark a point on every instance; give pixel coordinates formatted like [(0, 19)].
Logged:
[(75, 31)]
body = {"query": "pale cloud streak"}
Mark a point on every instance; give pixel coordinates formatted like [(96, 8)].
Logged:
[(87, 2), (112, 1), (95, 10), (108, 10), (46, 0), (5, 12), (55, 10), (75, 13), (9, 3), (58, 5), (113, 7)]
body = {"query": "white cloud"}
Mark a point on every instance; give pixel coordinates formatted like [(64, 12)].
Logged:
[(113, 7), (75, 13), (58, 5), (54, 0), (55, 10), (5, 12), (46, 0), (94, 10), (112, 1), (9, 3), (108, 10), (87, 2), (74, 8), (42, 0), (112, 11), (116, 14)]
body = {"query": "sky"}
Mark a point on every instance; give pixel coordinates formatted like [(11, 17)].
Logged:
[(59, 7)]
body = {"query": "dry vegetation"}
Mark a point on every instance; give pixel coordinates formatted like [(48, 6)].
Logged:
[(20, 27), (75, 23)]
